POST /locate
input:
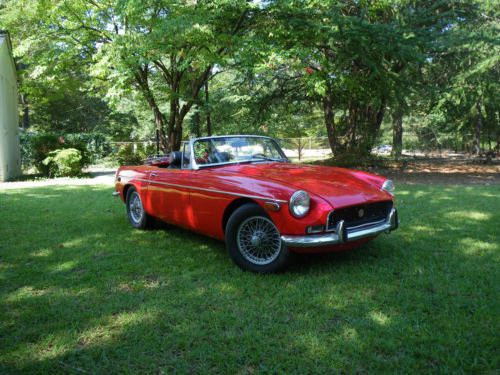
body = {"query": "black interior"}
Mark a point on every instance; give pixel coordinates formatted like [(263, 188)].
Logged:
[(219, 157), (175, 159)]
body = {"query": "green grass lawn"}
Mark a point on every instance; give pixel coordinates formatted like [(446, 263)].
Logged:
[(83, 292)]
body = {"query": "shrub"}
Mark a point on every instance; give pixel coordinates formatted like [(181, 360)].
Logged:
[(35, 148), (64, 162), (95, 144), (127, 156), (38, 148)]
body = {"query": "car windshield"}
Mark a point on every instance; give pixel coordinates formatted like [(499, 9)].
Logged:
[(223, 150)]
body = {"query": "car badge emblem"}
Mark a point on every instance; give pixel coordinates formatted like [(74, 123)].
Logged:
[(361, 212)]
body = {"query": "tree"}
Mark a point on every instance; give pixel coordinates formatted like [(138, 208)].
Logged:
[(164, 49), (458, 91), (269, 67), (344, 51)]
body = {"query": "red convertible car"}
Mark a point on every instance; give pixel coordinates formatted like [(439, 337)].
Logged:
[(242, 189)]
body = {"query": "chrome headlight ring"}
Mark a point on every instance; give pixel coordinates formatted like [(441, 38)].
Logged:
[(299, 205)]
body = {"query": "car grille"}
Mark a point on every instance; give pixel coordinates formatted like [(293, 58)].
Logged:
[(359, 215)]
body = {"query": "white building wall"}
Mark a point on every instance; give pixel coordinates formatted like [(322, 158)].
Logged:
[(10, 155)]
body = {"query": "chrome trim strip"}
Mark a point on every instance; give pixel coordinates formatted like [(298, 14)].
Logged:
[(201, 166), (389, 224), (373, 223), (213, 190), (232, 135)]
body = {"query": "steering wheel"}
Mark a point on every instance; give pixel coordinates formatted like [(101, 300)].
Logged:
[(215, 157)]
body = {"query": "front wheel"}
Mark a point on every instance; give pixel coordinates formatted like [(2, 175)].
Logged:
[(253, 241), (135, 210)]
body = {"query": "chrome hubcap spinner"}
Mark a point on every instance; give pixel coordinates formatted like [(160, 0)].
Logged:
[(136, 209), (259, 240)]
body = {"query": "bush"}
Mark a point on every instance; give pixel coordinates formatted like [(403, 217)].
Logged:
[(35, 148), (127, 156), (64, 162), (95, 144)]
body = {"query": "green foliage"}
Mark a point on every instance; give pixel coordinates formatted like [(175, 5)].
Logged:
[(64, 162), (284, 68), (133, 154), (35, 148), (94, 146), (122, 45)]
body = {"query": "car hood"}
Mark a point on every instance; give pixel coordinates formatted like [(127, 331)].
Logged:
[(338, 186)]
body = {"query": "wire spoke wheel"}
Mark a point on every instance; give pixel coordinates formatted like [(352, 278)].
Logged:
[(136, 209), (259, 240)]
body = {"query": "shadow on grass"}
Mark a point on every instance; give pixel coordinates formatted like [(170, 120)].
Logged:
[(82, 292)]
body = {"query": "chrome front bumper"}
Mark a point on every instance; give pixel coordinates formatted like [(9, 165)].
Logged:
[(342, 234)]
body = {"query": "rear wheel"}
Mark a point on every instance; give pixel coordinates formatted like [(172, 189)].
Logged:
[(253, 241), (135, 210)]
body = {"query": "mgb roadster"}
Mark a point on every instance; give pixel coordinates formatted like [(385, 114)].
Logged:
[(242, 189)]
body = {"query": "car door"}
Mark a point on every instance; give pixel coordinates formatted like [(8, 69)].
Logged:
[(169, 195)]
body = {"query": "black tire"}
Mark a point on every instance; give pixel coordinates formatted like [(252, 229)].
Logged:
[(136, 214), (265, 252)]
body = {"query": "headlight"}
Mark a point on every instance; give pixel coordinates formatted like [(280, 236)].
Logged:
[(299, 204), (389, 187)]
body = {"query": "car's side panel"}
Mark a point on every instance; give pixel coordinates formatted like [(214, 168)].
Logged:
[(166, 197), (208, 212), (213, 190), (133, 176), (197, 200)]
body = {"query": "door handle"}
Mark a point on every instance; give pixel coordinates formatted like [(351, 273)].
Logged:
[(153, 174)]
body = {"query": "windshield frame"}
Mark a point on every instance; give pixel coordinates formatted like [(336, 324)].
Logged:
[(196, 166)]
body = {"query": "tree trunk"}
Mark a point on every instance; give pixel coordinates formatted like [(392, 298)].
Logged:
[(172, 119), (175, 137), (397, 133), (197, 123), (141, 78), (160, 128), (353, 122), (362, 126), (26, 112), (476, 146), (330, 119), (207, 106), (178, 113), (299, 149)]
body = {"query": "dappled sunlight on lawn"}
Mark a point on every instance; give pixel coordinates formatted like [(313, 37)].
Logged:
[(42, 196), (80, 288), (469, 215), (379, 318), (105, 331), (64, 266), (474, 246), (26, 292), (41, 253), (423, 228)]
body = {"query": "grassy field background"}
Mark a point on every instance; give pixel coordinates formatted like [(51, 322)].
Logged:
[(83, 292)]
